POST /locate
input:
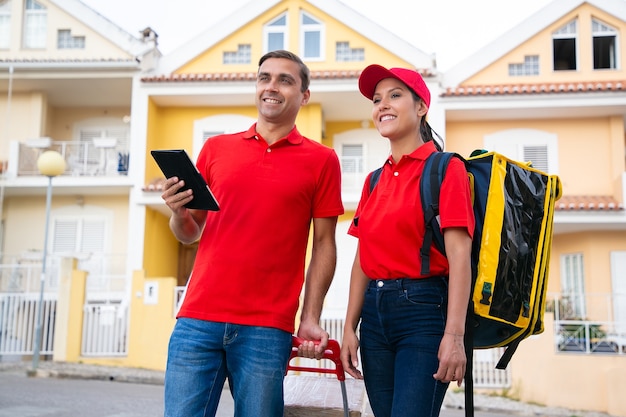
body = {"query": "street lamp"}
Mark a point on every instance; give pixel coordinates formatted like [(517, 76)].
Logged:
[(50, 164)]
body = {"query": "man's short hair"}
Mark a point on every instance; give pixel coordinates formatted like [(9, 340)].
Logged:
[(305, 75)]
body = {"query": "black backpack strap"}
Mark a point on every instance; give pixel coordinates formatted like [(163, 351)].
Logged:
[(374, 178), (469, 366), (430, 184)]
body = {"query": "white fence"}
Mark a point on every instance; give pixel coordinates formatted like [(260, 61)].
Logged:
[(105, 328), (18, 322)]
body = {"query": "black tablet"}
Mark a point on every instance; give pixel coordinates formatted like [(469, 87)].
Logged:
[(176, 163)]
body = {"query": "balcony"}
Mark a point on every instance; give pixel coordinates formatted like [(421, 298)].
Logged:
[(589, 323), (97, 166)]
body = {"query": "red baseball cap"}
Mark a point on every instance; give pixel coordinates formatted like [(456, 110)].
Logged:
[(373, 74)]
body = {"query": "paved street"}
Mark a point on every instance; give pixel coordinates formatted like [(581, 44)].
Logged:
[(22, 396)]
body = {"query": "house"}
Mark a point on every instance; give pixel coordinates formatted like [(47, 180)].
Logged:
[(551, 91), (66, 77), (540, 92)]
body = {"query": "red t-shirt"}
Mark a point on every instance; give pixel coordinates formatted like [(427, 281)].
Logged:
[(249, 268), (391, 220)]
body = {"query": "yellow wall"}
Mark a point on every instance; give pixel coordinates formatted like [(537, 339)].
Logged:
[(585, 146), (28, 210), (545, 378), (160, 246), (541, 45)]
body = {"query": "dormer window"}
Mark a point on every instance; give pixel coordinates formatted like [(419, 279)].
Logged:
[(564, 47), (529, 67), (275, 34), (5, 23), (311, 37), (65, 40), (242, 56), (35, 25), (604, 45)]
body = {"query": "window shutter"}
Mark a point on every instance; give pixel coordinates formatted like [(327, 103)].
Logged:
[(538, 155)]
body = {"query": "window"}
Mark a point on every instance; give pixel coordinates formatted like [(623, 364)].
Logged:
[(83, 233), (529, 67), (564, 47), (346, 54), (275, 34), (65, 40), (618, 283), (572, 305), (312, 37), (216, 125), (604, 50), (351, 159), (242, 56), (5, 23), (35, 25), (536, 146)]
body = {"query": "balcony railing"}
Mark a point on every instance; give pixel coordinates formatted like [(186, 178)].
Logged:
[(589, 322), (98, 157)]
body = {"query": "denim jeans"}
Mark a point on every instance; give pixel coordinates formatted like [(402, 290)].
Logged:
[(402, 323), (202, 354)]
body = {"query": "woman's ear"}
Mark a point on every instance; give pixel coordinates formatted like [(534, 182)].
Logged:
[(422, 109)]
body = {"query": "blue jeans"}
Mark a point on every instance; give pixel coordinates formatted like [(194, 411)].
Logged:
[(202, 354), (402, 323)]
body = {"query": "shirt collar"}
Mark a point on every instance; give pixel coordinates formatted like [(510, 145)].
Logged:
[(294, 137), (422, 152)]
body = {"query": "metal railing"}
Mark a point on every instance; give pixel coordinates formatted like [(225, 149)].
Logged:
[(105, 329), (18, 323), (590, 323), (83, 158)]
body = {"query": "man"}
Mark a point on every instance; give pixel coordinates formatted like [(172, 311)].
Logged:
[(238, 315)]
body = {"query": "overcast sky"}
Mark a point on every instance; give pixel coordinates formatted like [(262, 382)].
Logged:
[(451, 29)]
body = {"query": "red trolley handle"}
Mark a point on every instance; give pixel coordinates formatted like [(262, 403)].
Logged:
[(332, 352)]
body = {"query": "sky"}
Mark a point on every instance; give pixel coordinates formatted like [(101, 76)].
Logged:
[(451, 29)]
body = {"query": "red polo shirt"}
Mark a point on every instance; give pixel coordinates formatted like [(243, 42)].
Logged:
[(249, 268), (391, 220)]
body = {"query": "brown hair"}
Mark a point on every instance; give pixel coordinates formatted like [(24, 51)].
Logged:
[(305, 76)]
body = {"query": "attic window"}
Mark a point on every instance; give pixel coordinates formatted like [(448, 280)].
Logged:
[(564, 47), (604, 48), (242, 56), (65, 40), (5, 23), (346, 54), (312, 37), (275, 34), (529, 67), (35, 25)]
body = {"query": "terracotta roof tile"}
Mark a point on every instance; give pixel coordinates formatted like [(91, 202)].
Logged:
[(588, 203), (539, 88), (243, 76), (251, 76)]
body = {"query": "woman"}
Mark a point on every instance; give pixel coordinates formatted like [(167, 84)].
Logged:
[(411, 325)]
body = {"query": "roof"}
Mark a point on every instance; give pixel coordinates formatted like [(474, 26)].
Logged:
[(135, 46), (521, 33), (588, 203), (253, 9), (251, 76), (535, 88)]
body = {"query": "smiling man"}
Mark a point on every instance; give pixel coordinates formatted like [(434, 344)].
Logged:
[(238, 315)]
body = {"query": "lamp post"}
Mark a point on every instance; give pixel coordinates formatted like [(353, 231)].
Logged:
[(50, 164)]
